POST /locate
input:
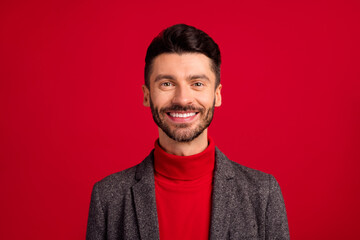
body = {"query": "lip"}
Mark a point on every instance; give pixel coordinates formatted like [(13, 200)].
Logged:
[(182, 119)]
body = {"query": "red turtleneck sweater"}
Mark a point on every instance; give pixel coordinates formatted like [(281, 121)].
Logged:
[(183, 186)]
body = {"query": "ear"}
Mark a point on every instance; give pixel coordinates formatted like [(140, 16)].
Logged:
[(146, 92), (218, 96)]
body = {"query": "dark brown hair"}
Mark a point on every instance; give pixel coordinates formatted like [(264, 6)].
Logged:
[(182, 38)]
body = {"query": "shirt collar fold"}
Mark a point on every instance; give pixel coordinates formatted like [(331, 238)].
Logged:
[(184, 167)]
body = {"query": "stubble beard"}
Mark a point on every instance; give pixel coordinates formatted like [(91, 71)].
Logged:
[(182, 132)]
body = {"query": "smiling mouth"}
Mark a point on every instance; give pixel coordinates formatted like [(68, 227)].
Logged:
[(181, 114), (182, 117)]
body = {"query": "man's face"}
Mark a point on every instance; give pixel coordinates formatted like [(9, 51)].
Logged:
[(182, 94)]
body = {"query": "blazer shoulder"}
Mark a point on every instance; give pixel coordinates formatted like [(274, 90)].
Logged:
[(122, 180), (257, 200), (119, 178), (244, 175), (249, 173)]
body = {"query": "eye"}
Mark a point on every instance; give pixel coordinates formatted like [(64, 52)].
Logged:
[(166, 84), (198, 84)]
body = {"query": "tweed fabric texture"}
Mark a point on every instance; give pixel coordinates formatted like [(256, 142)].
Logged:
[(246, 204)]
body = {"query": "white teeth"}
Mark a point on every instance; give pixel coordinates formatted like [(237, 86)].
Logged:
[(182, 115)]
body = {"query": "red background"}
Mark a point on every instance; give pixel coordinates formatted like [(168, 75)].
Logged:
[(71, 104)]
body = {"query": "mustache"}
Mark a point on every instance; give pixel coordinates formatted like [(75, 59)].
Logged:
[(181, 108)]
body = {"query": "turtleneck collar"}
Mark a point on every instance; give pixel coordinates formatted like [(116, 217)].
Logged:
[(184, 167)]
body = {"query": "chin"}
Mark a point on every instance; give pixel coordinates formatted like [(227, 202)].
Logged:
[(183, 135)]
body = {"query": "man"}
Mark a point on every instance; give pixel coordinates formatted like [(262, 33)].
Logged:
[(186, 188)]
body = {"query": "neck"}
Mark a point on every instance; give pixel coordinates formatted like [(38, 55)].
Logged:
[(171, 146)]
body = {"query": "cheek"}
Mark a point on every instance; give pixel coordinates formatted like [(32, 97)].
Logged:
[(160, 99), (206, 99)]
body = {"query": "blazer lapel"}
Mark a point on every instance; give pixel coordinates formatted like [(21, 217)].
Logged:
[(222, 197), (145, 201)]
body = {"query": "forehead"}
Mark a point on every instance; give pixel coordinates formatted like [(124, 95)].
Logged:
[(182, 65)]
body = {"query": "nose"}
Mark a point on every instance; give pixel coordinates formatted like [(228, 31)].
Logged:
[(183, 96)]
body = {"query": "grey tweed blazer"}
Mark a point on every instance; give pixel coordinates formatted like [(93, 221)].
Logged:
[(246, 204)]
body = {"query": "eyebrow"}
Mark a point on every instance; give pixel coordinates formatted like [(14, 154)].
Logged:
[(164, 76), (190, 77), (201, 76)]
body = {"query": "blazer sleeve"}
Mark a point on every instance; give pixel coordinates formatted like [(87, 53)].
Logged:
[(96, 226), (276, 219)]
